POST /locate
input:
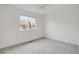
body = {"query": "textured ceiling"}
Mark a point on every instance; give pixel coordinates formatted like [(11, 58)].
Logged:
[(44, 8)]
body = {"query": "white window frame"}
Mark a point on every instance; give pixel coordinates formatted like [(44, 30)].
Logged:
[(28, 25)]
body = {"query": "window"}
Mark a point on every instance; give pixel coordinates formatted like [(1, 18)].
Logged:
[(27, 23)]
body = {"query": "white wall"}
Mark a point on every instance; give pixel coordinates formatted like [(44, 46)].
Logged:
[(63, 25), (9, 23)]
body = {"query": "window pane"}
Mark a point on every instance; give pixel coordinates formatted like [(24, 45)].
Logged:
[(27, 23), (24, 22)]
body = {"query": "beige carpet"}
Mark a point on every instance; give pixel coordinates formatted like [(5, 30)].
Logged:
[(42, 46)]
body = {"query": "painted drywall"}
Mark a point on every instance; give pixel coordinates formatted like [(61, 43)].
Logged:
[(63, 25), (9, 23)]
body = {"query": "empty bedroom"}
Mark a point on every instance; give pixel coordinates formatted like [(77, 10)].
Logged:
[(39, 28)]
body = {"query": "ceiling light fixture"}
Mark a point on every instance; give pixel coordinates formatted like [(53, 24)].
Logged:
[(42, 6)]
